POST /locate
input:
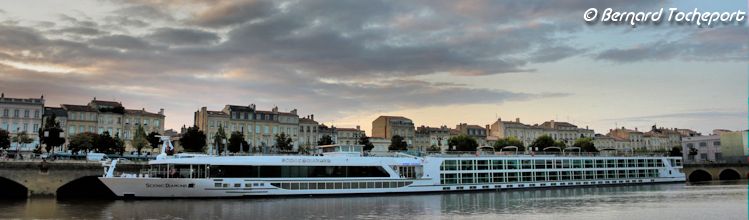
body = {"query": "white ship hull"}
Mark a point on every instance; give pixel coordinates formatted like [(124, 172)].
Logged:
[(210, 176)]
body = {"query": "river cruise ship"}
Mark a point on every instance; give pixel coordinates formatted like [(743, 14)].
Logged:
[(346, 170)]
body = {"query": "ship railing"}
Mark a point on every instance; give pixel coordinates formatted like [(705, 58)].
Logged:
[(543, 154)]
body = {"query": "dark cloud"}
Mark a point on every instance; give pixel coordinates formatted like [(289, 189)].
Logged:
[(145, 11), (172, 36), (80, 31), (232, 12), (121, 42), (728, 43), (689, 115)]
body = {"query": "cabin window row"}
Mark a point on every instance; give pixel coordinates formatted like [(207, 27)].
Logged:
[(510, 177), (548, 164), (231, 171), (340, 185)]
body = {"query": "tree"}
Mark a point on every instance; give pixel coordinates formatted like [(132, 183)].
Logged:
[(81, 142), (364, 140), (153, 140), (237, 142), (219, 138), (509, 141), (675, 152), (105, 143), (22, 138), (193, 140), (49, 134), (284, 142), (4, 139), (397, 143), (585, 145), (119, 144), (462, 143), (542, 143), (140, 139), (325, 140)]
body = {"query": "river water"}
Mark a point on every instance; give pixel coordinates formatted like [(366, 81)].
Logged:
[(714, 200)]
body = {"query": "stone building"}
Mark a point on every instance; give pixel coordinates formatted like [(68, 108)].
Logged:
[(620, 139), (308, 135), (427, 137), (108, 116), (388, 126), (259, 127), (559, 131), (663, 139), (22, 115), (349, 136), (701, 149), (476, 132)]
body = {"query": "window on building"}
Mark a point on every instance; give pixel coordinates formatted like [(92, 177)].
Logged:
[(26, 127), (26, 113), (703, 144), (16, 113), (36, 113), (718, 156), (71, 130), (716, 143), (157, 122), (265, 129), (5, 112), (36, 127), (703, 156)]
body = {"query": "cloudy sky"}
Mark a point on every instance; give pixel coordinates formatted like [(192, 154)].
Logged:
[(436, 62)]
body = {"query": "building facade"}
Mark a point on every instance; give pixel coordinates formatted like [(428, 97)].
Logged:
[(100, 116), (476, 132), (308, 135), (258, 127), (428, 137), (559, 131), (349, 136), (389, 126), (701, 149), (22, 115)]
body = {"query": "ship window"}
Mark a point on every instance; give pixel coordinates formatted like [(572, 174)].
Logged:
[(482, 164), (566, 164), (217, 185), (497, 165), (296, 171), (590, 174), (449, 178), (599, 164), (527, 164), (588, 163), (499, 177), (466, 178), (610, 163), (600, 174), (577, 164), (540, 164), (540, 176), (449, 165), (466, 165), (482, 178), (512, 177), (512, 164), (558, 164), (566, 175), (370, 184), (621, 174), (237, 185), (553, 175), (659, 163)]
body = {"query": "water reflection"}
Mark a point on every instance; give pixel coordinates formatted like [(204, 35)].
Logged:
[(662, 201)]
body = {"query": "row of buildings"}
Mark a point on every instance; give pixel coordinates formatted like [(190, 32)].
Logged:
[(97, 116), (260, 127)]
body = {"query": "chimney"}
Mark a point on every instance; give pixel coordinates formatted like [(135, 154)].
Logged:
[(252, 106), (94, 98), (517, 120), (358, 128), (204, 109), (312, 117), (635, 128), (2, 95), (552, 123), (275, 109), (161, 111), (293, 111)]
